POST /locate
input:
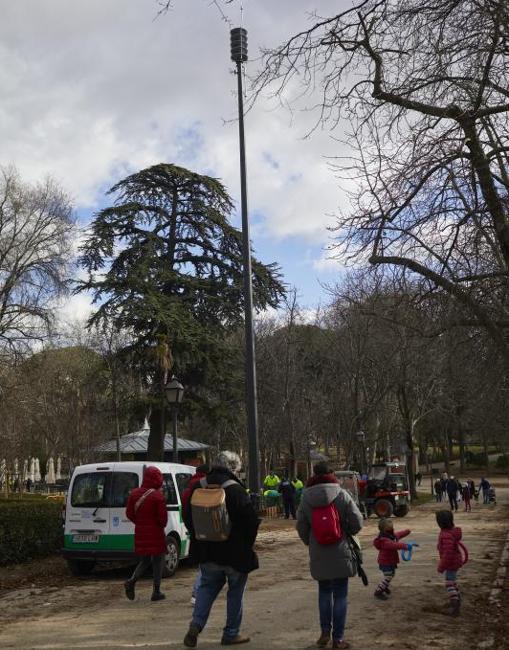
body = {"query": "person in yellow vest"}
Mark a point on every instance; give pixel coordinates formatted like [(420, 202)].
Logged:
[(299, 486), (271, 481)]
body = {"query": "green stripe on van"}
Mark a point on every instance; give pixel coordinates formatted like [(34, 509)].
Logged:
[(105, 543)]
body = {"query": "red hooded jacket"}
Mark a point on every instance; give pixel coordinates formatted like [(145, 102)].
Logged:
[(449, 548), (151, 517), (186, 494), (388, 547)]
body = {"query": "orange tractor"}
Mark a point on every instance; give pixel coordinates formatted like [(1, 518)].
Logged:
[(385, 492)]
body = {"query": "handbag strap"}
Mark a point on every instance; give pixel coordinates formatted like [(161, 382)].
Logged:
[(142, 499)]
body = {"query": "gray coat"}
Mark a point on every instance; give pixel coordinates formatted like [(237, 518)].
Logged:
[(335, 560)]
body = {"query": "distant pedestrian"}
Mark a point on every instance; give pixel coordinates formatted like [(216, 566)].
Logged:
[(453, 555), (29, 484), (452, 492), (418, 478), (485, 485), (443, 482), (438, 490), (201, 472), (388, 544), (271, 481), (228, 561), (473, 492), (466, 497), (327, 514), (146, 508), (288, 493)]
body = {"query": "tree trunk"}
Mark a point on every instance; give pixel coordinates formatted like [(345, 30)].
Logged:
[(157, 421), (411, 463)]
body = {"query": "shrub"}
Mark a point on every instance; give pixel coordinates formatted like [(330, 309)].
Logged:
[(502, 462), (29, 528), (478, 460)]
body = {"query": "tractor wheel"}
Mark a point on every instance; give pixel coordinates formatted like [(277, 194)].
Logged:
[(383, 508), (401, 511)]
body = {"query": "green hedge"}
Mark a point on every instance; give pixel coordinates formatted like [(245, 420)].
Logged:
[(29, 528)]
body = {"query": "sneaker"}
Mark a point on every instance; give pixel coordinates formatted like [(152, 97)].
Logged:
[(193, 601), (387, 591), (191, 638), (341, 645), (129, 589), (381, 595), (157, 595), (236, 640), (324, 639)]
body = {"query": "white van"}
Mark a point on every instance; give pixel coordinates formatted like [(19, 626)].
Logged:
[(96, 527)]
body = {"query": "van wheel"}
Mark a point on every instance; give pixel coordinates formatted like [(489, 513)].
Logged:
[(383, 508), (401, 511), (81, 567), (171, 560)]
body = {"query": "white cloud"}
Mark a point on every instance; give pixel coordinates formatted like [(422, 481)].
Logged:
[(93, 90)]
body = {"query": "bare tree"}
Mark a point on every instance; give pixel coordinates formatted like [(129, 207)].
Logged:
[(424, 86), (36, 228)]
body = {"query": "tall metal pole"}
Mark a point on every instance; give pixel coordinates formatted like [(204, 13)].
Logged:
[(175, 439), (239, 56)]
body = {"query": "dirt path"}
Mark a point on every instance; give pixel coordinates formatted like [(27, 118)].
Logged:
[(57, 611)]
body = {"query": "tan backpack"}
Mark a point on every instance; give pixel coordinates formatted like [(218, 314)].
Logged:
[(211, 521)]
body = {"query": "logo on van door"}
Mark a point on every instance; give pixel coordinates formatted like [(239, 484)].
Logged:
[(116, 521)]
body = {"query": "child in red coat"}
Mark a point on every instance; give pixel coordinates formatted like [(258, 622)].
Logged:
[(146, 508), (388, 545), (453, 555)]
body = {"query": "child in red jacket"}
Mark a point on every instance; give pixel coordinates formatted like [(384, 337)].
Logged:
[(453, 555), (146, 508), (388, 545)]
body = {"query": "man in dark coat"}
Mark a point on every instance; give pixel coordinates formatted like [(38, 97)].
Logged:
[(452, 487), (146, 508), (287, 491), (230, 561)]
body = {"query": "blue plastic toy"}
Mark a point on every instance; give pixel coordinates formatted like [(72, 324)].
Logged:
[(406, 555)]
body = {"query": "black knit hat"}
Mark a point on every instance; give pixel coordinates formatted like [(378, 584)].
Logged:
[(445, 519)]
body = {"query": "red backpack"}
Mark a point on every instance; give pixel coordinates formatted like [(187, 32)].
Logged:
[(326, 525)]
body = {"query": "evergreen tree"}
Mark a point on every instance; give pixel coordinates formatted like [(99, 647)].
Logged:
[(165, 264)]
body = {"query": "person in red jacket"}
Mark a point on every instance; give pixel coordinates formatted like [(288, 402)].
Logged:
[(453, 555), (201, 472), (388, 545), (146, 508)]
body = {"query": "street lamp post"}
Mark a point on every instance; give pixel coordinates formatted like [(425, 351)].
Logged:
[(174, 394), (239, 56), (361, 437)]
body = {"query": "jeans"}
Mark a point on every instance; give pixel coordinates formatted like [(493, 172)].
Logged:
[(451, 576), (213, 579), (453, 502), (289, 506), (485, 496), (332, 604), (197, 582)]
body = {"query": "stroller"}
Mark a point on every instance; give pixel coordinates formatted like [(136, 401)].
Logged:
[(492, 496)]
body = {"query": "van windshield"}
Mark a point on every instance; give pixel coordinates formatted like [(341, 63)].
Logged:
[(90, 490)]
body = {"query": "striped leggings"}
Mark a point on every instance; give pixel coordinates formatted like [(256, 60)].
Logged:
[(451, 585), (388, 573)]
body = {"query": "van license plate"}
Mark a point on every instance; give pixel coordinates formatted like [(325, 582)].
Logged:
[(85, 539)]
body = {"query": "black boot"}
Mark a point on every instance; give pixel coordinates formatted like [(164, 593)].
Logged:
[(157, 594), (129, 588)]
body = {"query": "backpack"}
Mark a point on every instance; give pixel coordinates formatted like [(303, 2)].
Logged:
[(211, 521), (326, 525)]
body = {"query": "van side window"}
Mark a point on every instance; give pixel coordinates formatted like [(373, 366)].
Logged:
[(90, 490), (182, 481), (169, 491), (123, 483)]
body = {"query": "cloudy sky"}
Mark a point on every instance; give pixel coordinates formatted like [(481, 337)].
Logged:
[(94, 89)]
